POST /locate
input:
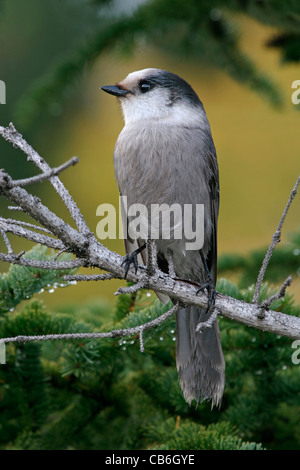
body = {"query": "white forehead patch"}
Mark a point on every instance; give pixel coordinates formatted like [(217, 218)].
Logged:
[(134, 77)]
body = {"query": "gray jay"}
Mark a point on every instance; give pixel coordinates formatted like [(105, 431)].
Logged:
[(165, 155)]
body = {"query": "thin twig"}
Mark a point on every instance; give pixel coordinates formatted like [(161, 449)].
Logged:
[(25, 224), (37, 263), (47, 175), (209, 322), (15, 208), (63, 250), (109, 334), (266, 303), (12, 135), (6, 240), (32, 236), (275, 241), (131, 289), (171, 263), (34, 207)]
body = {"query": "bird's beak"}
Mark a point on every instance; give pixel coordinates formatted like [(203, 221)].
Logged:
[(115, 90)]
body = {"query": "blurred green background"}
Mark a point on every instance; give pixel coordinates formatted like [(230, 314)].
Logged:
[(55, 55)]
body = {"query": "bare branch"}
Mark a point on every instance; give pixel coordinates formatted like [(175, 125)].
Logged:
[(47, 175), (36, 263), (92, 277), (110, 334), (209, 322), (15, 208), (266, 303), (6, 240), (12, 135), (131, 289), (33, 206), (32, 236), (25, 224), (275, 241), (63, 250)]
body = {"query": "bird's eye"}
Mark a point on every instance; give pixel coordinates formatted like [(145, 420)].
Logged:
[(145, 86)]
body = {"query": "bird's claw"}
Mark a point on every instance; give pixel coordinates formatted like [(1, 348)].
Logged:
[(130, 259), (209, 285), (211, 292)]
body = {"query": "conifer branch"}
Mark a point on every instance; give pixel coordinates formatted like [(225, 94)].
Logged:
[(89, 252)]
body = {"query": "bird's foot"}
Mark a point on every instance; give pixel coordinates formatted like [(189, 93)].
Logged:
[(211, 292), (131, 259), (208, 285)]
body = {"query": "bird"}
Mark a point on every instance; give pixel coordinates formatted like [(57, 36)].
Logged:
[(165, 154)]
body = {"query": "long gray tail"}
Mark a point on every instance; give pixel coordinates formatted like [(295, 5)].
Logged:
[(199, 357)]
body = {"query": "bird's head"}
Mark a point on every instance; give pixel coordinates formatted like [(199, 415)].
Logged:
[(155, 94)]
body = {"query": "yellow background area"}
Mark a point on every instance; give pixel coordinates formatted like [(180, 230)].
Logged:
[(258, 149)]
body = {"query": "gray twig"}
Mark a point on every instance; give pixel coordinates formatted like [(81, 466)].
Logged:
[(6, 240), (275, 241), (37, 263), (15, 208), (63, 250), (46, 175), (266, 303), (131, 289), (25, 224), (209, 322), (32, 236), (12, 135), (109, 334), (34, 207), (171, 263)]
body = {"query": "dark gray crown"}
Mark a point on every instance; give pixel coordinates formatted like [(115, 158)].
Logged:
[(178, 87)]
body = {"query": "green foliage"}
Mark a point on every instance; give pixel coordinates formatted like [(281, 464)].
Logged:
[(220, 436), (21, 282), (106, 394), (206, 32)]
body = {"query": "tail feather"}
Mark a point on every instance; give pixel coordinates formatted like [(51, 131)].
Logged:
[(199, 357)]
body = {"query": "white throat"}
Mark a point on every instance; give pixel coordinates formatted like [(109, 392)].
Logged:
[(137, 111)]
